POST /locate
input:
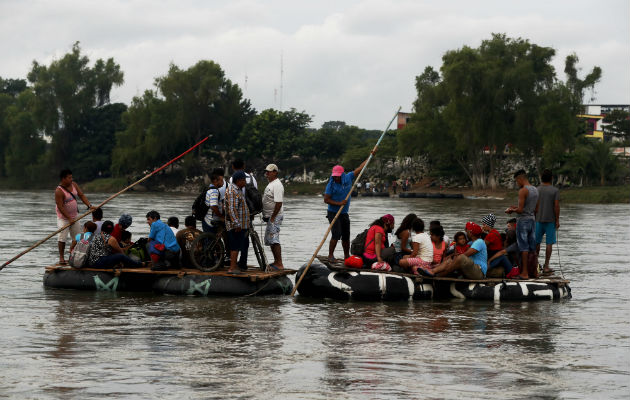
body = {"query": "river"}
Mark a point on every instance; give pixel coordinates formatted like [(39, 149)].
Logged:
[(84, 345)]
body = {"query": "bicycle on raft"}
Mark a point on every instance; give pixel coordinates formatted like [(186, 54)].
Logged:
[(209, 252)]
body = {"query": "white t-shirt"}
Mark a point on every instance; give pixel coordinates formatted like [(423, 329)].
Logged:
[(274, 193), (99, 224), (425, 251)]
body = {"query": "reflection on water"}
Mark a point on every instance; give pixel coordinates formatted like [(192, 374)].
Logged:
[(70, 344)]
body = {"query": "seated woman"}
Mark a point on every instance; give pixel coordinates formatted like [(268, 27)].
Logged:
[(402, 244), (439, 244), (421, 250), (376, 249), (105, 252)]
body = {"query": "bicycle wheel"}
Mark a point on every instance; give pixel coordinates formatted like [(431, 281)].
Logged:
[(258, 250), (207, 251)]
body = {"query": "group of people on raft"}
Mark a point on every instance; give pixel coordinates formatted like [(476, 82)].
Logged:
[(167, 246), (428, 251), (477, 252)]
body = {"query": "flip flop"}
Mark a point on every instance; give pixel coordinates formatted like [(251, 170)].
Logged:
[(548, 271), (235, 272), (272, 267), (520, 278), (62, 262), (422, 271)]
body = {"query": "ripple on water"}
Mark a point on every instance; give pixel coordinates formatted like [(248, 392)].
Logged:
[(74, 344)]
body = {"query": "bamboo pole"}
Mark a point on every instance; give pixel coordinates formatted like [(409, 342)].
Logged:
[(357, 179), (90, 211)]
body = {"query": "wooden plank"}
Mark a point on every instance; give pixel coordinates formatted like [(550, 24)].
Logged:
[(252, 274)]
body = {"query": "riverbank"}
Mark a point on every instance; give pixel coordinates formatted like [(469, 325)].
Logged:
[(573, 195)]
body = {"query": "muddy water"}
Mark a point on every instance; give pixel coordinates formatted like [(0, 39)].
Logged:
[(70, 344)]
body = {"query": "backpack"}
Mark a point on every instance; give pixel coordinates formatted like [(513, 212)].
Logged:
[(357, 246), (253, 198), (81, 252), (199, 207)]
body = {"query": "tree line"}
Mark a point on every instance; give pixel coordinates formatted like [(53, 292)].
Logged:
[(500, 100)]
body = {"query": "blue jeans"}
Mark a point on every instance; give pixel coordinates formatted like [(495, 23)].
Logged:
[(502, 261), (113, 259), (526, 234)]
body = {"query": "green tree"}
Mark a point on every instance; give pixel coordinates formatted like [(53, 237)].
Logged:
[(25, 147), (617, 125), (275, 135), (185, 106), (9, 91), (503, 92), (65, 92)]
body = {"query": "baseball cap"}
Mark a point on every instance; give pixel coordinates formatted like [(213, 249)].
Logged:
[(238, 175), (337, 170), (271, 167)]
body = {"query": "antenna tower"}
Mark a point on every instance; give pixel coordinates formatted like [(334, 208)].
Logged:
[(281, 78)]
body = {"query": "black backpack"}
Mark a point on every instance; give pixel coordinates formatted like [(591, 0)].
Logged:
[(199, 207), (357, 246), (253, 198)]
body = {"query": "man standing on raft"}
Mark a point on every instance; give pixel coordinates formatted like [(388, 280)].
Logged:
[(338, 187), (525, 223)]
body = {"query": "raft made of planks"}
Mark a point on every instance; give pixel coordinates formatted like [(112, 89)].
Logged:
[(253, 274), (173, 281)]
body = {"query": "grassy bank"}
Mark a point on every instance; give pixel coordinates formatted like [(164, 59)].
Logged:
[(109, 185), (596, 195)]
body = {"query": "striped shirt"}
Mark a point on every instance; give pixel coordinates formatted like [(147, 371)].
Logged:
[(214, 197), (237, 213)]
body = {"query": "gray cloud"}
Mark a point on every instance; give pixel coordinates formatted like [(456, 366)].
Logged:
[(347, 60)]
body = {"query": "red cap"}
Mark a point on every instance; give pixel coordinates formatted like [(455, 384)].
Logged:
[(337, 170)]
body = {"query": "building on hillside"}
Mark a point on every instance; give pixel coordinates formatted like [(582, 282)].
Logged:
[(594, 115), (403, 119)]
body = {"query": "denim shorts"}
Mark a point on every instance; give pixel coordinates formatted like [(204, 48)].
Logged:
[(548, 229), (272, 231), (526, 234)]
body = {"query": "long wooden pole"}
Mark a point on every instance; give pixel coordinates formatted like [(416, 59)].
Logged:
[(357, 179), (104, 202)]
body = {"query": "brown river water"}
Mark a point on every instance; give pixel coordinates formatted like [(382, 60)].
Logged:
[(88, 345)]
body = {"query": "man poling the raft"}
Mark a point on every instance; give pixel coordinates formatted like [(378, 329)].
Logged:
[(104, 202), (339, 211)]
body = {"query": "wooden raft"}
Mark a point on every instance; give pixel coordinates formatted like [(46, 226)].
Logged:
[(339, 266), (252, 273)]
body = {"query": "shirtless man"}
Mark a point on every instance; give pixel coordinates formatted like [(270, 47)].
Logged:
[(67, 209)]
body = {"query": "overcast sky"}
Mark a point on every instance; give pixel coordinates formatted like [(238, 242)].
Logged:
[(354, 61)]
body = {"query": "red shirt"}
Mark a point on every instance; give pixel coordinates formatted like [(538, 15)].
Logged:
[(370, 241), (117, 232), (493, 239), (461, 249)]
